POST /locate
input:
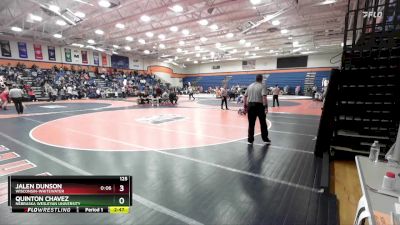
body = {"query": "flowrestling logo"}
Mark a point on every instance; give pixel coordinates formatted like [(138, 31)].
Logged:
[(160, 119), (372, 14)]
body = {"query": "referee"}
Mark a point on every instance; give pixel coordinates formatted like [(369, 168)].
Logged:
[(255, 100)]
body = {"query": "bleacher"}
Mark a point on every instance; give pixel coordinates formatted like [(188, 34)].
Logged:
[(291, 79)]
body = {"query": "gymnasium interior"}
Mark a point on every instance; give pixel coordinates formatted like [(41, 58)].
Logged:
[(156, 90)]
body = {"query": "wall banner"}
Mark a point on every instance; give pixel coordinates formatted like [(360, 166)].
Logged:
[(23, 52)]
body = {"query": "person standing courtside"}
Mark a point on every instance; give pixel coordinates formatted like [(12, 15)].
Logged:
[(16, 96), (255, 100), (275, 95), (191, 93), (224, 98)]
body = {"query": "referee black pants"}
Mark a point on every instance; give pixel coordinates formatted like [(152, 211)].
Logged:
[(275, 98), (224, 100), (257, 110), (18, 105)]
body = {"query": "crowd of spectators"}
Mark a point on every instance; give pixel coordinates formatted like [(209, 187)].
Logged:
[(58, 83)]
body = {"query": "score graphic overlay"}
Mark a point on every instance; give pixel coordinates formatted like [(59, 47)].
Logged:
[(70, 194)]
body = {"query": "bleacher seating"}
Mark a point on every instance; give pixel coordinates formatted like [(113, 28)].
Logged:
[(291, 79)]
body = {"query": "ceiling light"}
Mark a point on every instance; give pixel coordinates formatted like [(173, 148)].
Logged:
[(255, 2), (212, 54), (57, 35), (35, 17), (127, 48), (284, 31), (99, 32), (246, 53), (54, 8), (276, 22), (248, 44), (290, 38), (197, 54), (177, 8), (297, 49), (149, 34), (179, 50), (129, 38), (104, 3), (146, 52), (174, 28), (142, 41), (307, 52), (154, 47), (295, 43), (196, 47), (342, 44), (61, 22), (115, 46), (161, 36), (90, 41), (78, 45), (120, 25), (80, 14), (271, 51), (234, 50), (277, 53), (242, 41), (185, 32), (162, 46), (254, 54), (203, 22), (256, 48), (204, 58), (114, 52), (188, 59), (229, 35), (100, 49), (181, 43), (145, 18), (195, 61), (214, 27), (203, 39), (16, 29), (176, 57), (269, 17), (327, 2), (218, 45)]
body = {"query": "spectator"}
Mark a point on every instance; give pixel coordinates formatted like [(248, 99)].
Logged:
[(69, 92), (32, 95), (191, 93), (314, 91), (297, 90), (123, 91), (173, 98)]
